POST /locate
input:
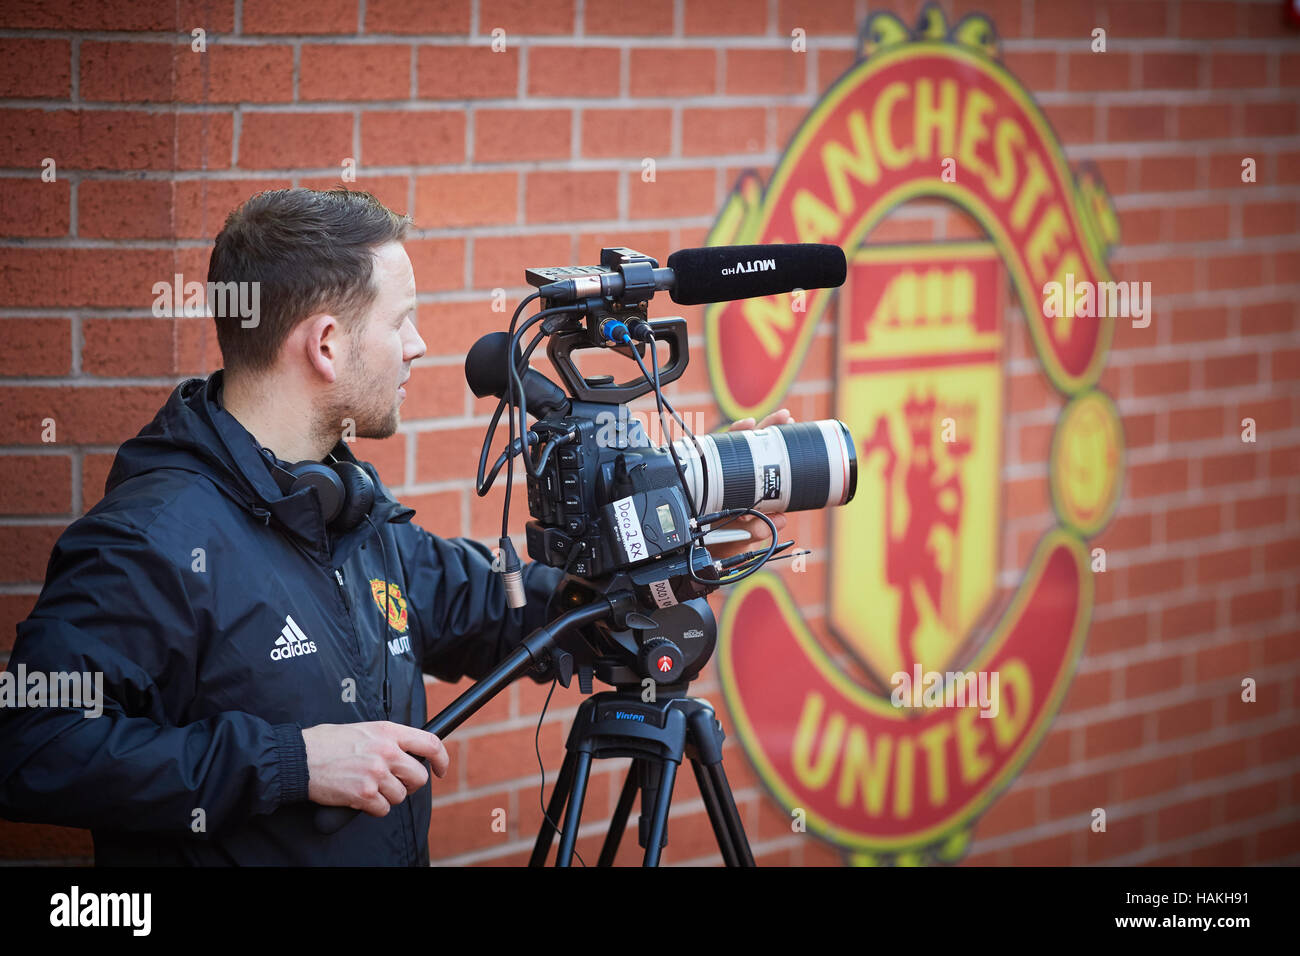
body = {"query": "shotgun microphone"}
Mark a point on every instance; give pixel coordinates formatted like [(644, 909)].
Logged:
[(725, 273), (721, 274)]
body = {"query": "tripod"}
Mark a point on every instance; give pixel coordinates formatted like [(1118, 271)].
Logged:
[(656, 736)]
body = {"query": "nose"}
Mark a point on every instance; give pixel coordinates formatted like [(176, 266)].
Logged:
[(415, 346)]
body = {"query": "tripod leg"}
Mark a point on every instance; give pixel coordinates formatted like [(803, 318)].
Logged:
[(716, 818), (655, 838), (573, 812), (618, 824), (731, 816), (559, 796), (706, 735)]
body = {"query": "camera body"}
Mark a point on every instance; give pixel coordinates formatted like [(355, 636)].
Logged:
[(608, 500)]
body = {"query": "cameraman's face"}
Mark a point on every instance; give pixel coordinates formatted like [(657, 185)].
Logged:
[(385, 346)]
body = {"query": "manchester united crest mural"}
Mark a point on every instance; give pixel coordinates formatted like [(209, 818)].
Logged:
[(880, 767)]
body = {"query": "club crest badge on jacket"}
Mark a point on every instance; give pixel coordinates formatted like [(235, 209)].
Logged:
[(396, 603)]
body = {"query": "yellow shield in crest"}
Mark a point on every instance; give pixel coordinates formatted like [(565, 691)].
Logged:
[(919, 383)]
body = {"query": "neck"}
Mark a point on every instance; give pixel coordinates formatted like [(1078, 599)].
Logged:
[(278, 416)]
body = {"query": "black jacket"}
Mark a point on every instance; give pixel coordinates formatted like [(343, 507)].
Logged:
[(185, 586)]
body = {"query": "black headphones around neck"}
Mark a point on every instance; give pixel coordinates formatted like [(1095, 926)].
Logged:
[(345, 490)]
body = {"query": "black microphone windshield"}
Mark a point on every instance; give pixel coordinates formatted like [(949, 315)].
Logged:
[(724, 273), (485, 371), (485, 365)]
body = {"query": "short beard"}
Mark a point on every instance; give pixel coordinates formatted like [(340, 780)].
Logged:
[(352, 409), (379, 428), (354, 403)]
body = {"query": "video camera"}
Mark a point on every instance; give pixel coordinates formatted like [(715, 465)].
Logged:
[(617, 512)]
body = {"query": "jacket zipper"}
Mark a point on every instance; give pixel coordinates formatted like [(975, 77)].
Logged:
[(347, 607), (408, 820), (343, 591)]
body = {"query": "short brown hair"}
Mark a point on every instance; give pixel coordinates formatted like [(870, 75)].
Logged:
[(311, 251)]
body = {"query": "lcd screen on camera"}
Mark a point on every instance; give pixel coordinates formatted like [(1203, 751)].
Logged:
[(665, 513)]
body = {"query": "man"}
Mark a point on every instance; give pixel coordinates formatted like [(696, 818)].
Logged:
[(257, 658)]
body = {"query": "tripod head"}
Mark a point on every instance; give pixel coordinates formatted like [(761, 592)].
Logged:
[(663, 640)]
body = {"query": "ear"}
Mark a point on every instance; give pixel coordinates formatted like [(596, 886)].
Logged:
[(324, 342)]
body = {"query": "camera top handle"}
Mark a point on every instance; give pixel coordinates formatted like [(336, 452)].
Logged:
[(563, 343)]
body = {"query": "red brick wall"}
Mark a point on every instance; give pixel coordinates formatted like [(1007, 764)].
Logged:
[(533, 157)]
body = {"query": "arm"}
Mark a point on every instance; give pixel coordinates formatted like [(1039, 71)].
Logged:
[(116, 607), (458, 603)]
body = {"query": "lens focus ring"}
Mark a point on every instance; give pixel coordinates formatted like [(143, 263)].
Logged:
[(810, 476), (737, 471)]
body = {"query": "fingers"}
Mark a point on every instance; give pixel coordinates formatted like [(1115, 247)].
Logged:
[(379, 789), (409, 771), (421, 742), (392, 789), (781, 416), (369, 766), (376, 805), (394, 773), (759, 535), (757, 527)]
